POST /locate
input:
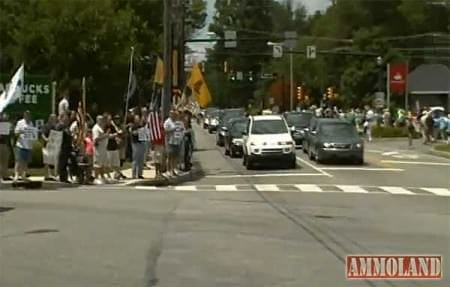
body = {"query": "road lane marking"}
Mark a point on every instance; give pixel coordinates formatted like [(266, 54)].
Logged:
[(147, 187), (186, 188), (390, 153), (263, 175), (396, 190), (417, 162), (438, 191), (363, 168), (226, 188), (314, 167), (266, 187), (308, 187), (375, 151), (352, 188)]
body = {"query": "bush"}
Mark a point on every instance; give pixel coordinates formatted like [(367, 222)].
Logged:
[(391, 132)]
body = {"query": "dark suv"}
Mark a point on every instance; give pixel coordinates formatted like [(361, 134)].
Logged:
[(335, 139), (298, 123)]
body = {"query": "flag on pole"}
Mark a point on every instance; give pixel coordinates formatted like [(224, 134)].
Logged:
[(133, 87), (198, 86), (156, 128), (14, 90), (159, 72)]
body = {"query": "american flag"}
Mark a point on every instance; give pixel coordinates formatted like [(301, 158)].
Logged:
[(156, 130)]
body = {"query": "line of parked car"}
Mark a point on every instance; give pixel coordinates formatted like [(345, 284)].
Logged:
[(273, 138)]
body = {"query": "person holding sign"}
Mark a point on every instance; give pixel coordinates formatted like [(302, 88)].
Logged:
[(174, 130), (26, 134), (5, 146)]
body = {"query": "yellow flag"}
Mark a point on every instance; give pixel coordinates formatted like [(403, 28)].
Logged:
[(159, 72), (199, 87)]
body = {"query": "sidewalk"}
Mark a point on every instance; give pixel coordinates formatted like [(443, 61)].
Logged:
[(402, 144)]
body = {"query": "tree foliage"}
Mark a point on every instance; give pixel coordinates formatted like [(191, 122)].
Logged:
[(375, 28), (76, 38)]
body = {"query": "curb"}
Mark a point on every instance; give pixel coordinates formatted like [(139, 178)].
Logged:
[(163, 181), (435, 152), (44, 185)]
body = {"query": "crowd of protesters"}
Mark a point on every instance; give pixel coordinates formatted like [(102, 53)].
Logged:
[(430, 124), (94, 149)]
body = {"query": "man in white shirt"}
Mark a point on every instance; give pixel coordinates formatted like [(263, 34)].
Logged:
[(174, 137), (63, 106), (26, 134), (100, 138)]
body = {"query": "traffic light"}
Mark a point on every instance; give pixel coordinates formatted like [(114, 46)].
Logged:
[(250, 76), (232, 76), (330, 92), (299, 93)]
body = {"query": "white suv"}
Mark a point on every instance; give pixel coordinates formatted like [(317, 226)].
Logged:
[(268, 139)]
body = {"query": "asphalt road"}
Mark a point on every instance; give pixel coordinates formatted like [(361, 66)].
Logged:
[(230, 226)]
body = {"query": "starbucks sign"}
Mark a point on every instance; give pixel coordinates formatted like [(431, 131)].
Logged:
[(36, 97)]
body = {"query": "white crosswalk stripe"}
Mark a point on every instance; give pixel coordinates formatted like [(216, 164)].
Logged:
[(308, 187), (438, 191), (267, 187), (226, 188), (396, 190), (352, 188), (186, 188)]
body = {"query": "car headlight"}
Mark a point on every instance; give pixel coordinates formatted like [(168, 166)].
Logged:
[(358, 145), (237, 141), (287, 149), (327, 145), (256, 150)]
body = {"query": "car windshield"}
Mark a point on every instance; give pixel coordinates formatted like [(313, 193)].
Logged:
[(263, 127), (338, 130), (298, 120), (238, 128)]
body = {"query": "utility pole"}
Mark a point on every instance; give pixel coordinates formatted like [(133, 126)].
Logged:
[(167, 89), (291, 80)]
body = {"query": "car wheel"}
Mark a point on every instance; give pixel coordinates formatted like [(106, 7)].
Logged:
[(310, 154), (292, 164), (359, 161), (209, 130), (318, 157), (232, 154), (249, 164), (227, 151), (244, 160)]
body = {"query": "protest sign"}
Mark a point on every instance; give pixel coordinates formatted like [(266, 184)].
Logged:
[(52, 149), (5, 128)]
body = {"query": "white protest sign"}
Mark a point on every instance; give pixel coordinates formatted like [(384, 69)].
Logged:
[(53, 148), (142, 134), (5, 128), (30, 133)]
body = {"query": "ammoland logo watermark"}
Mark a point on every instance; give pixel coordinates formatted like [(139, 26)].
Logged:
[(393, 267)]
